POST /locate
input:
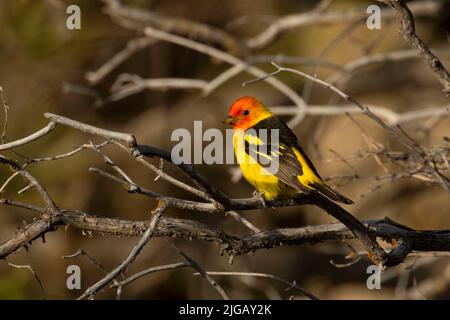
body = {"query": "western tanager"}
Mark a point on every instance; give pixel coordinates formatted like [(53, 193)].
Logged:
[(295, 172)]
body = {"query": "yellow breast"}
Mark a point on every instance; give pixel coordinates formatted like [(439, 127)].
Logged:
[(262, 180)]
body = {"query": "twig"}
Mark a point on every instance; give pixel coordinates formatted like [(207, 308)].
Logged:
[(132, 186), (289, 22), (25, 189), (120, 285), (41, 287), (333, 44), (297, 60), (408, 31), (157, 213), (223, 56), (82, 90), (32, 182), (291, 285), (204, 274), (111, 163), (5, 109), (7, 181), (32, 137), (236, 216), (127, 84), (138, 18), (392, 118), (401, 138), (107, 134), (81, 252), (133, 46), (367, 60), (68, 154)]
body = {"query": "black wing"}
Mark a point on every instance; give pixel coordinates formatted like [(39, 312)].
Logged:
[(289, 167)]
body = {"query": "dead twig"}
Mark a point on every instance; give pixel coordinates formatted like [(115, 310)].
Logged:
[(38, 280), (204, 274), (157, 213), (408, 32), (291, 285)]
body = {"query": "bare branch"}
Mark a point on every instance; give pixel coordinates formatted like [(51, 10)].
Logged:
[(289, 22), (408, 31), (81, 252), (366, 60), (359, 229), (291, 285), (157, 213), (390, 117), (32, 137), (128, 138), (345, 96), (223, 56), (7, 181), (204, 274), (180, 228), (68, 154), (138, 18), (5, 109), (145, 272), (236, 216), (127, 84), (133, 46), (41, 287), (33, 182)]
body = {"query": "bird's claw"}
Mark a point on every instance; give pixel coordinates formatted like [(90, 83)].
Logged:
[(260, 196), (136, 153)]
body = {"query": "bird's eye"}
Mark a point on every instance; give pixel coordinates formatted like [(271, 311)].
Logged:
[(246, 112)]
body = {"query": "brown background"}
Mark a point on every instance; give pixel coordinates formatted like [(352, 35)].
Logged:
[(38, 55)]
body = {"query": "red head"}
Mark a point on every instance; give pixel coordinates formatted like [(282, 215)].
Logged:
[(245, 112)]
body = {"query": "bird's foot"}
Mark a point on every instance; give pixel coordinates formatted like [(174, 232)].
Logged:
[(260, 195)]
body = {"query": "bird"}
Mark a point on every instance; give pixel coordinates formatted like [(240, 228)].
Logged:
[(295, 172)]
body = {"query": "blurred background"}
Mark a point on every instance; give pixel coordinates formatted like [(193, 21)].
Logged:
[(47, 68)]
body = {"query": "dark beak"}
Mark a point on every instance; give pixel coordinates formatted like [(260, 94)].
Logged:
[(229, 121)]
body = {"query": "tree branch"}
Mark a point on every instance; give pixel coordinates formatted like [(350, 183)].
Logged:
[(157, 213), (408, 31), (426, 240), (289, 22)]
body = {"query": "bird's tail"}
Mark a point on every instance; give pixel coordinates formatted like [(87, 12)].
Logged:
[(331, 194)]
